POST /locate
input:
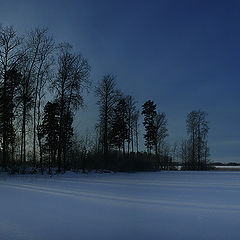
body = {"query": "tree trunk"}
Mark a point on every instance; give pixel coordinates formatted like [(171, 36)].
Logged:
[(4, 163), (24, 132), (34, 128), (137, 140), (132, 139)]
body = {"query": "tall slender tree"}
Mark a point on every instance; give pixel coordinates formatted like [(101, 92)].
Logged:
[(136, 116), (30, 69), (149, 112), (131, 109), (49, 130), (107, 97), (71, 81), (160, 123), (43, 46), (119, 128), (197, 129)]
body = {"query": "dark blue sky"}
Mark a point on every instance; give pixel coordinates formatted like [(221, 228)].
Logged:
[(184, 55)]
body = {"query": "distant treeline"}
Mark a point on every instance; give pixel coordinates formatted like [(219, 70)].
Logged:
[(224, 164), (43, 84)]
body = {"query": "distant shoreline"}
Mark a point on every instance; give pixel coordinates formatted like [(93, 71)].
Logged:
[(227, 168)]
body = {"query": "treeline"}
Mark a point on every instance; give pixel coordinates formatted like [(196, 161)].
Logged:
[(42, 85)]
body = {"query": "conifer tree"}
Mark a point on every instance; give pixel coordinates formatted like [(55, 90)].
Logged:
[(10, 56), (119, 125), (149, 112), (50, 131)]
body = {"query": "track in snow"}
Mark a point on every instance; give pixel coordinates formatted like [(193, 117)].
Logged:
[(166, 205)]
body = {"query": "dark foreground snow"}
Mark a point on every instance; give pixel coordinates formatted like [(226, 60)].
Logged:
[(164, 205)]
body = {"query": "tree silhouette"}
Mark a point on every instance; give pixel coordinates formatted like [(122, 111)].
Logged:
[(197, 129), (49, 129), (107, 97), (119, 131), (71, 81), (10, 56), (149, 112)]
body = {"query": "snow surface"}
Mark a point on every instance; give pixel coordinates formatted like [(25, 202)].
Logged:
[(159, 205)]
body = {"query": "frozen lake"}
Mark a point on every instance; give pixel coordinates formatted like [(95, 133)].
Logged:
[(159, 205)]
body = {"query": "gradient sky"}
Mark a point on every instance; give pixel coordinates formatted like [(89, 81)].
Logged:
[(184, 55)]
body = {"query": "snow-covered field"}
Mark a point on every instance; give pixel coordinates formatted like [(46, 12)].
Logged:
[(159, 205)]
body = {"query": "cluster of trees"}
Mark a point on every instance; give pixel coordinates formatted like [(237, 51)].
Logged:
[(118, 128), (41, 88), (118, 118), (195, 150), (31, 67)]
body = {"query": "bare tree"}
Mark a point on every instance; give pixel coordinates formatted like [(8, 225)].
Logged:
[(160, 123), (107, 96), (174, 153), (131, 109), (43, 46), (40, 94), (197, 129), (184, 154), (71, 81), (30, 74)]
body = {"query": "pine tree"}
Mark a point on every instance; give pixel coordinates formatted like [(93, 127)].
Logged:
[(50, 131), (119, 125), (149, 112), (7, 106), (10, 56), (67, 133)]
